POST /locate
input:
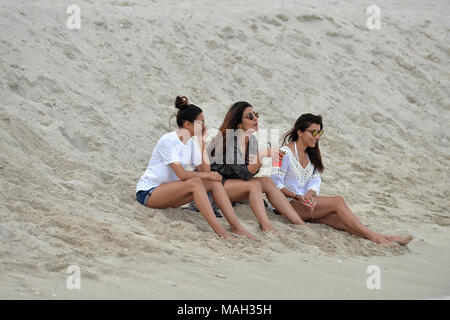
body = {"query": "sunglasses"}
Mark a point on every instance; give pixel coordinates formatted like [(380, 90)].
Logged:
[(316, 132), (251, 117)]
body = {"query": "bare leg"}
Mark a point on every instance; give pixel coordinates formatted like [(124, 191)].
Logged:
[(168, 194), (251, 190), (336, 205), (279, 200), (333, 221), (223, 202), (220, 197)]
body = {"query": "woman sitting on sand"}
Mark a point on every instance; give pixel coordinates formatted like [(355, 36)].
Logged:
[(299, 179), (166, 183), (241, 161)]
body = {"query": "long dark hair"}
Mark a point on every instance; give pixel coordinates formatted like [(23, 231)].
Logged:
[(186, 111), (302, 123), (231, 121)]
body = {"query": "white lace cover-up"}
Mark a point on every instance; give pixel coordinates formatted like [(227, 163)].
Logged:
[(292, 176)]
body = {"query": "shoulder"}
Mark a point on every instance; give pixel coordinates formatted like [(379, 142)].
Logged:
[(169, 140), (287, 150), (169, 137)]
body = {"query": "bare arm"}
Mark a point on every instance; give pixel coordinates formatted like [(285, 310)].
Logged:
[(205, 166), (254, 167), (288, 193), (183, 174), (298, 197)]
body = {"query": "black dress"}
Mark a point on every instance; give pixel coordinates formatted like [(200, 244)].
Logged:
[(235, 167)]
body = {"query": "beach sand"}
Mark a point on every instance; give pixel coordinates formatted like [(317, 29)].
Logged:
[(81, 110)]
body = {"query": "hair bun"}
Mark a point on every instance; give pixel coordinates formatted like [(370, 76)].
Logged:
[(181, 102)]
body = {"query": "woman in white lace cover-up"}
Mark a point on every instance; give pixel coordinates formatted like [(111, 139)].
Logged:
[(298, 178)]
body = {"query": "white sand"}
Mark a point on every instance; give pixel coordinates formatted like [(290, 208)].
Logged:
[(81, 111)]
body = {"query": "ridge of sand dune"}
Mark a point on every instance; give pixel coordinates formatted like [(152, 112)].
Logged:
[(81, 110)]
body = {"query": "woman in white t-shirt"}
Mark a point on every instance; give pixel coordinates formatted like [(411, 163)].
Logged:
[(167, 183), (298, 178)]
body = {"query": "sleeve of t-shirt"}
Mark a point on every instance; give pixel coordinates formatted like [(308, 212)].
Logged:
[(169, 152)]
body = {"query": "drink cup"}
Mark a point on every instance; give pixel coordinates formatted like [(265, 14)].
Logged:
[(276, 163)]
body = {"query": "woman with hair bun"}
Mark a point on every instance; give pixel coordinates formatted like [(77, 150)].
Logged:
[(166, 183), (298, 178)]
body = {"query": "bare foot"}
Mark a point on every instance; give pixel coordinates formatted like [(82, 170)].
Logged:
[(400, 240), (381, 240), (227, 235), (268, 228)]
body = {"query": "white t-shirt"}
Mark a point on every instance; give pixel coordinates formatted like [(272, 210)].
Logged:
[(169, 149)]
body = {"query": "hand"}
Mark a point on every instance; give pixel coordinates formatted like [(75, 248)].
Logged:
[(306, 202), (311, 198), (302, 200), (214, 176), (277, 157), (274, 153), (204, 132)]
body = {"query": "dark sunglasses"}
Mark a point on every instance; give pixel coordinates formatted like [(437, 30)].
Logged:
[(251, 117), (316, 132)]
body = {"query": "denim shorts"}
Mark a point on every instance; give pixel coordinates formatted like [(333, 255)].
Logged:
[(143, 195)]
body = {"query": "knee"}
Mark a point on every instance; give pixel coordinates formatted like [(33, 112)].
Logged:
[(267, 182), (339, 201), (214, 185), (194, 183)]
